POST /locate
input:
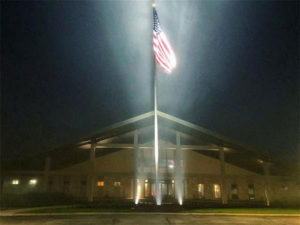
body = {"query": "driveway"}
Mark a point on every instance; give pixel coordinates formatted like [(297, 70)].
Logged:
[(147, 219)]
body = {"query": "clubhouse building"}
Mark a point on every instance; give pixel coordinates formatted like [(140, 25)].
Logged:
[(118, 163)]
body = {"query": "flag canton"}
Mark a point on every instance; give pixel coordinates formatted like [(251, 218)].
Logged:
[(156, 26)]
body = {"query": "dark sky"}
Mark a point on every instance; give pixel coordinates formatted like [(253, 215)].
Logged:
[(69, 68)]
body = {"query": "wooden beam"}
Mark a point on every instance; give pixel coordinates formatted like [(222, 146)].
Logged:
[(135, 156), (267, 181), (183, 147), (178, 171), (223, 176), (46, 172), (92, 176)]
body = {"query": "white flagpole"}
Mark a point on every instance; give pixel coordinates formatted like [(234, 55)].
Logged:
[(156, 151)]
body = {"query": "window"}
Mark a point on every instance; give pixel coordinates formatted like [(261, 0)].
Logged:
[(66, 184), (100, 183), (117, 184), (200, 189), (234, 191), (171, 164), (217, 191), (138, 189), (251, 191), (146, 189), (83, 180), (33, 182), (15, 181)]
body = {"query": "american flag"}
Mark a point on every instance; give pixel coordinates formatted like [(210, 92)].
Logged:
[(164, 54)]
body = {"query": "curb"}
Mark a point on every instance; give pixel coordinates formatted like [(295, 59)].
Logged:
[(11, 214)]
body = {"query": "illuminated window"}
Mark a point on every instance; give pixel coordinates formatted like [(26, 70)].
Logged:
[(234, 191), (217, 191), (33, 181), (100, 183), (251, 191), (15, 181), (138, 190), (146, 188), (171, 164), (200, 188), (117, 184)]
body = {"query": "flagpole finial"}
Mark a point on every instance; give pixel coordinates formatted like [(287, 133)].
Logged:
[(153, 5)]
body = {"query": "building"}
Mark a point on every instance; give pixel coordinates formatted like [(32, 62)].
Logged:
[(118, 162)]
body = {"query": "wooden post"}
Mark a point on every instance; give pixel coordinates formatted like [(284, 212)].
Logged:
[(136, 162), (46, 172), (223, 176), (178, 176), (267, 181), (92, 175), (1, 182)]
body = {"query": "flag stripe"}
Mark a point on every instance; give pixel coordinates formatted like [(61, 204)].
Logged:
[(162, 50)]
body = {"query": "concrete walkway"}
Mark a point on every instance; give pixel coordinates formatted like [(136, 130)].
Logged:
[(25, 212), (149, 219)]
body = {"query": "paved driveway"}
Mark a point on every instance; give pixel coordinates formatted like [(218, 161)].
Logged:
[(147, 219)]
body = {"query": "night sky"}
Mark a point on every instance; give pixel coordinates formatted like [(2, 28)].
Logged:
[(69, 68)]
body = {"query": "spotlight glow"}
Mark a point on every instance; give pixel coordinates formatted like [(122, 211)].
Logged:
[(138, 192), (180, 201)]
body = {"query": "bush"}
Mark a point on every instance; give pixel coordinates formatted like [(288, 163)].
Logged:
[(35, 199)]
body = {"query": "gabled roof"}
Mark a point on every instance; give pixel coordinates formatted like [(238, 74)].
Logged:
[(174, 123), (243, 156)]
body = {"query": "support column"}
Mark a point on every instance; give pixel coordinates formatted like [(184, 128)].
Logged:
[(267, 182), (224, 194), (178, 173), (1, 182), (92, 175), (136, 165), (46, 173)]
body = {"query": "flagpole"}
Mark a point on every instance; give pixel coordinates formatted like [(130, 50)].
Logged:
[(156, 151)]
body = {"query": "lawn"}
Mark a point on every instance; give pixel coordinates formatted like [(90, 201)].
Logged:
[(83, 209), (246, 210)]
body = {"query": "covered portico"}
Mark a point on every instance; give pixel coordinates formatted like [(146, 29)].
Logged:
[(178, 139)]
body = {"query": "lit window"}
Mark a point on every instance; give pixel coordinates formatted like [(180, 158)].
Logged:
[(171, 164), (251, 191), (15, 181), (33, 181), (200, 190), (217, 191), (117, 184), (138, 190), (234, 191), (100, 183), (147, 189)]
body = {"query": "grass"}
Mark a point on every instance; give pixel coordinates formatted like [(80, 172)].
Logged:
[(83, 209), (246, 210)]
